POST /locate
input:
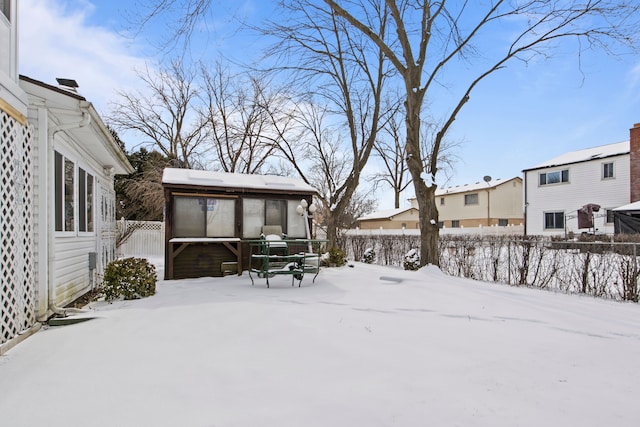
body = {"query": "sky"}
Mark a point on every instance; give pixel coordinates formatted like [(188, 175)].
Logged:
[(515, 119), (362, 346)]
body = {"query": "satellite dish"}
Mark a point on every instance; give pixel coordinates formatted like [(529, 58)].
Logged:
[(487, 178)]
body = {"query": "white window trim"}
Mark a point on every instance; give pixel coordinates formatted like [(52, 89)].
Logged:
[(544, 222), (606, 178), (561, 182)]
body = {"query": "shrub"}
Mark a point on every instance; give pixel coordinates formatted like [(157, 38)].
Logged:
[(129, 278), (411, 260), (337, 257), (369, 256)]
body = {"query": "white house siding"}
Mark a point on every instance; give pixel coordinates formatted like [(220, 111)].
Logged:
[(585, 185), (67, 124), (72, 276)]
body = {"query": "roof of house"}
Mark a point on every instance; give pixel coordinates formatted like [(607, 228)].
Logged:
[(385, 214), (600, 152), (635, 206), (474, 187), (235, 180), (79, 118)]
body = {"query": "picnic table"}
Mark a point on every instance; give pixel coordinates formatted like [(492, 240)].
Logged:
[(269, 258)]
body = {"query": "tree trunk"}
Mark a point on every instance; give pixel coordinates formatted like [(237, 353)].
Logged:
[(425, 194), (332, 232)]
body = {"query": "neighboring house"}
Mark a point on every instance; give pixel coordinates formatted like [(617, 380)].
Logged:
[(209, 216), (17, 270), (392, 219), (75, 160), (470, 207), (483, 204), (557, 190)]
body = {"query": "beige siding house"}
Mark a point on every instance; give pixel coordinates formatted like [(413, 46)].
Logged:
[(493, 203), (393, 219)]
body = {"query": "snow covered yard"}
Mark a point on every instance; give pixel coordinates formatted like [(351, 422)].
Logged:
[(349, 350)]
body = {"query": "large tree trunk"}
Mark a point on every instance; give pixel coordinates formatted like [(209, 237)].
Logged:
[(332, 231), (425, 194)]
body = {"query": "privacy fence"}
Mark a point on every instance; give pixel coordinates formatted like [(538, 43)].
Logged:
[(601, 269), (140, 238)]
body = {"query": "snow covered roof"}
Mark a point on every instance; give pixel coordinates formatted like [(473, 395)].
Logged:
[(472, 187), (385, 214), (635, 206), (235, 180), (587, 154)]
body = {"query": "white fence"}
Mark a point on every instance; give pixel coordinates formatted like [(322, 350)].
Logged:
[(494, 230), (140, 239)]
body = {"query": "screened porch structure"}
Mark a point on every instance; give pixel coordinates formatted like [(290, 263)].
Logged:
[(211, 216)]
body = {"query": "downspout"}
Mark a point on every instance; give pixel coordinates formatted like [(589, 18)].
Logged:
[(53, 131)]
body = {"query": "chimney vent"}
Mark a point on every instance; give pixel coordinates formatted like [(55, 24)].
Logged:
[(68, 84)]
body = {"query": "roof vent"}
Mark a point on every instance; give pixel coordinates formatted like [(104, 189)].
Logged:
[(68, 84)]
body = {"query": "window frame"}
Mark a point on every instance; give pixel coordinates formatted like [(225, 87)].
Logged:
[(471, 199), (206, 204), (86, 201), (563, 177), (5, 9), (608, 174), (64, 191), (455, 223), (609, 216), (556, 215), (503, 222)]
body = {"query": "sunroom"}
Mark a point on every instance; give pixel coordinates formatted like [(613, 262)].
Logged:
[(210, 218)]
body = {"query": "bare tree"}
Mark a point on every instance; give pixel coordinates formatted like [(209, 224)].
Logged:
[(433, 36), (163, 113), (238, 111), (343, 77), (391, 150)]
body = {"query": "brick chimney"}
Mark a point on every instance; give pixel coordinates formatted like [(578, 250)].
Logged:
[(634, 151)]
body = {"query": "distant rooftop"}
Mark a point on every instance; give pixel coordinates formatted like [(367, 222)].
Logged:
[(480, 185), (385, 214)]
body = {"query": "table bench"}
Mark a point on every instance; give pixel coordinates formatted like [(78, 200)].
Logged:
[(268, 260)]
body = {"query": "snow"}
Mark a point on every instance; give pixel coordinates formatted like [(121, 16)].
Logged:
[(599, 152), (234, 180), (385, 214), (483, 185), (350, 349)]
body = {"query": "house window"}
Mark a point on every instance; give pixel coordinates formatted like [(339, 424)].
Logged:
[(455, 223), (609, 216), (553, 220), (471, 199), (441, 201), (554, 177), (85, 201), (607, 170), (440, 224), (5, 7), (64, 171), (259, 212), (503, 222), (204, 217)]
